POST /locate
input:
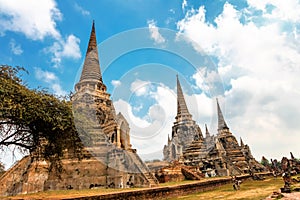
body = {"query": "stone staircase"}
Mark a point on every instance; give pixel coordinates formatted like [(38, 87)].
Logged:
[(9, 181), (16, 167), (152, 180), (144, 169), (101, 147), (232, 167), (189, 174)]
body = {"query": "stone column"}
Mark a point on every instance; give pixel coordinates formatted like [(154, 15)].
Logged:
[(118, 137), (128, 145)]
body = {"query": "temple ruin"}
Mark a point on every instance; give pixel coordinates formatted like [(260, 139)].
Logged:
[(184, 130), (212, 155), (107, 159)]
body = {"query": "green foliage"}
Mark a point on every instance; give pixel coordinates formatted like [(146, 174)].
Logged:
[(29, 116), (265, 162)]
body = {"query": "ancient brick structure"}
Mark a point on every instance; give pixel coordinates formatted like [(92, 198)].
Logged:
[(107, 159), (184, 130), (218, 155), (168, 192), (106, 135)]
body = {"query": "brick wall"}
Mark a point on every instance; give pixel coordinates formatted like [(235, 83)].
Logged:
[(168, 191)]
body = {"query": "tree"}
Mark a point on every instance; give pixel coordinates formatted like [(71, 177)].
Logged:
[(27, 117), (2, 169), (265, 162)]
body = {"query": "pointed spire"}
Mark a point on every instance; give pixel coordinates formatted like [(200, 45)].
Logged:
[(207, 134), (242, 143), (182, 110), (221, 122), (91, 67), (169, 139), (93, 41), (292, 156)]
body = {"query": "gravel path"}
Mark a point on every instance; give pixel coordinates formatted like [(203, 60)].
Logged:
[(293, 196)]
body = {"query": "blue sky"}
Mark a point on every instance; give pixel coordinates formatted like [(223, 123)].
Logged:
[(246, 53)]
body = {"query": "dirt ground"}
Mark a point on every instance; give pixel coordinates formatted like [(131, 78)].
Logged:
[(288, 196)]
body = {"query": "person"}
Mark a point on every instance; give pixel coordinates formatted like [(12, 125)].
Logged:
[(236, 183), (233, 179)]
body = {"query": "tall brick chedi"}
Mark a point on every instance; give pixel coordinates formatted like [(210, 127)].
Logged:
[(105, 134), (107, 159), (218, 154), (184, 130)]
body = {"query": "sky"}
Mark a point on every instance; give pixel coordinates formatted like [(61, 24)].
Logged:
[(246, 53)]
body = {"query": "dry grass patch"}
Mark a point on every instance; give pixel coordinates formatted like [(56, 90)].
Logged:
[(174, 183), (249, 190), (69, 193)]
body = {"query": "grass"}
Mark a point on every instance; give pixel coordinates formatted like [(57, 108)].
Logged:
[(68, 193), (250, 189), (176, 183)]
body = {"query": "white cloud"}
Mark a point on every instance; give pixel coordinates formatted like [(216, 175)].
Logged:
[(36, 19), (126, 109), (116, 83), (138, 108), (46, 76), (166, 99), (259, 62), (56, 87), (172, 11), (81, 10), (51, 79), (184, 5), (209, 81), (71, 47), (15, 48), (64, 49), (283, 10), (201, 107), (198, 77), (10, 155), (149, 133), (140, 87), (154, 32)]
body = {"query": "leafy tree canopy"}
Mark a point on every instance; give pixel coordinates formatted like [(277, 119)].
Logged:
[(265, 162), (28, 116)]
